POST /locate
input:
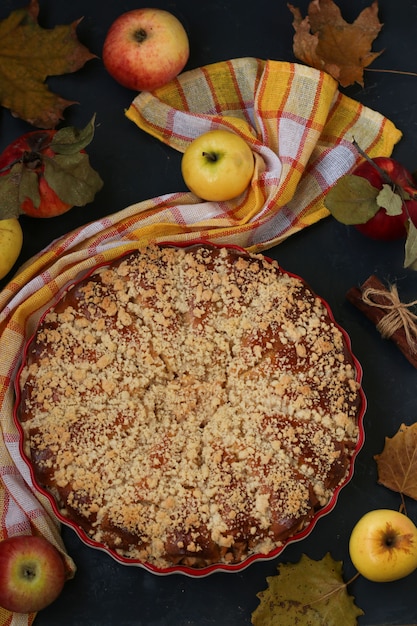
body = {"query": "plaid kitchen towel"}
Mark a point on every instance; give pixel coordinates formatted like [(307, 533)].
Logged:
[(300, 128)]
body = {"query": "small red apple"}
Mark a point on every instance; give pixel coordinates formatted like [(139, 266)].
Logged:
[(382, 225), (379, 198), (145, 48), (32, 573)]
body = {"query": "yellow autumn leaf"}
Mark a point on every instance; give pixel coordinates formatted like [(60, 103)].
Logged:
[(307, 593)]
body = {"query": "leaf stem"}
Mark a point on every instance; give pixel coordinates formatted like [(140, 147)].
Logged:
[(382, 71), (333, 591), (352, 580), (403, 508)]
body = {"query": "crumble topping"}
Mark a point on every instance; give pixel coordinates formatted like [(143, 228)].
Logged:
[(189, 405)]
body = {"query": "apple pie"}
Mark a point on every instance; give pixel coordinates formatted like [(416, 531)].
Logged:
[(189, 405)]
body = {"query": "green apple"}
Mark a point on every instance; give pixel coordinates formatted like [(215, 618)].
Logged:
[(11, 240), (32, 573), (217, 165), (383, 545)]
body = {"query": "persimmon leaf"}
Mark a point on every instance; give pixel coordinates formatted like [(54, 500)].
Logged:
[(70, 140), (29, 187), (410, 259), (307, 593), (72, 178), (397, 463), (10, 193), (324, 40), (28, 55), (352, 200)]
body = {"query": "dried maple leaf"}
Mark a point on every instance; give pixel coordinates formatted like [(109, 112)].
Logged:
[(22, 72), (397, 463), (308, 592), (324, 40)]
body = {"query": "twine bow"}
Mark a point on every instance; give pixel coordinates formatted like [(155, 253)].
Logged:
[(398, 314)]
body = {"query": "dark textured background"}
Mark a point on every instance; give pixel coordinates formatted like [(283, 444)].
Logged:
[(331, 257)]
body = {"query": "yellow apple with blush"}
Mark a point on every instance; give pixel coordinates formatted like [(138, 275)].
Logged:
[(145, 48), (32, 574), (383, 545), (218, 165)]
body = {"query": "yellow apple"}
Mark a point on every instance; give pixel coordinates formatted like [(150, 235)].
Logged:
[(217, 165), (11, 240), (383, 545), (145, 49)]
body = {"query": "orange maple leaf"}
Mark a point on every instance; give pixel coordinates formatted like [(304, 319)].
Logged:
[(397, 463), (324, 40)]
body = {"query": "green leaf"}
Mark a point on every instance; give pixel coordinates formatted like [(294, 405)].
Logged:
[(352, 200), (72, 178), (410, 259), (70, 140), (390, 200), (307, 593)]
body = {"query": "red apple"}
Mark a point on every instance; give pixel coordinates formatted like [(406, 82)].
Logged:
[(32, 573), (145, 48), (382, 225)]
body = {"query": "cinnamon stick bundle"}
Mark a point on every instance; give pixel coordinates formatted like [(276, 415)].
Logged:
[(392, 318)]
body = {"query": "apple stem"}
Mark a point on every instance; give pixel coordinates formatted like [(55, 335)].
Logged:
[(28, 572), (211, 156), (140, 35)]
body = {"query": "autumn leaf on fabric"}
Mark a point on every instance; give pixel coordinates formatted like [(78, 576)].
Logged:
[(324, 40), (23, 73), (397, 463), (307, 593)]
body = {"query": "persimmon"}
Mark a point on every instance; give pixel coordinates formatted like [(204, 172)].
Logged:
[(45, 173)]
